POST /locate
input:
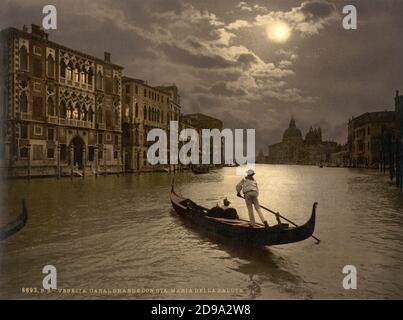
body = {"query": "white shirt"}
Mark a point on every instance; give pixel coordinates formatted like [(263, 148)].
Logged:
[(247, 185)]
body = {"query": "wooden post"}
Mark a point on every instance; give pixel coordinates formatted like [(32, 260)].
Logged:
[(96, 160), (71, 161), (84, 159), (29, 162), (58, 161), (104, 156)]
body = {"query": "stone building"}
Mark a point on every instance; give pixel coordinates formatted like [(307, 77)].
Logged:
[(201, 121), (370, 139), (145, 108), (61, 108), (294, 149)]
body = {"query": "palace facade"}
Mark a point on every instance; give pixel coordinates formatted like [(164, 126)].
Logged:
[(145, 108), (294, 149), (61, 108), (370, 139)]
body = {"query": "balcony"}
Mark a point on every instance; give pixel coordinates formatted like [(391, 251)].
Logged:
[(76, 123), (53, 119), (101, 126)]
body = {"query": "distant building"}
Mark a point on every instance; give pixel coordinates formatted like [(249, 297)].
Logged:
[(370, 139), (201, 121), (61, 108), (293, 149), (144, 108)]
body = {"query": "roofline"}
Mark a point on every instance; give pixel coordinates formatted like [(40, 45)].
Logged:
[(60, 46), (143, 83)]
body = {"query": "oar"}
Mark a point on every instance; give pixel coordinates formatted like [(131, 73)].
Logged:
[(278, 215)]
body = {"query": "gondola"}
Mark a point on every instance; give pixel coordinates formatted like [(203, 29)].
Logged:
[(14, 226), (240, 229)]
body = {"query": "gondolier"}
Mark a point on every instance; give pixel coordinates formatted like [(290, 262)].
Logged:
[(248, 186)]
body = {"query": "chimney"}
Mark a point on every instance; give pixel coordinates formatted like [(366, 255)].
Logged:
[(38, 31), (107, 56)]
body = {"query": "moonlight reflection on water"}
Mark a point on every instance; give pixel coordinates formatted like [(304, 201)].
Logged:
[(121, 232)]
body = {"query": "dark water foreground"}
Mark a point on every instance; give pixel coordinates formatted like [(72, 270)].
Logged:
[(120, 233)]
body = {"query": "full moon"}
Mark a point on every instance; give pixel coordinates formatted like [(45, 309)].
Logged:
[(278, 32)]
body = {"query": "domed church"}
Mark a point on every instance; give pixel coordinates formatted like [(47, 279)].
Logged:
[(294, 149)]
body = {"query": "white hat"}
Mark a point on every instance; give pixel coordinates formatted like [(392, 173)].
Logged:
[(250, 172)]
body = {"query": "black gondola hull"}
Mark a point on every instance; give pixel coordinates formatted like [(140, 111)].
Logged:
[(239, 230)]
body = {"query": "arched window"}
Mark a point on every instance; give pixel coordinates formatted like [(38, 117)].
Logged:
[(100, 80), (51, 66), (51, 107), (69, 73), (158, 115), (77, 112), (23, 102), (63, 111), (90, 75), (23, 58), (83, 76), (149, 113), (90, 115), (63, 69), (70, 110), (100, 116), (77, 73)]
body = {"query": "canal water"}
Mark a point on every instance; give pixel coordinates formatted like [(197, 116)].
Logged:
[(120, 233)]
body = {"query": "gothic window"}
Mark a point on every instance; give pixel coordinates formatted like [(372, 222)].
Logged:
[(149, 113), (136, 110), (90, 115), (63, 111), (63, 69), (51, 107), (90, 75), (23, 58), (100, 80), (69, 73), (51, 66), (145, 113), (83, 76), (77, 112), (77, 73), (70, 110), (23, 102)]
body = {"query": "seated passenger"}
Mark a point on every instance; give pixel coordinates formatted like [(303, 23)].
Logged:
[(224, 212)]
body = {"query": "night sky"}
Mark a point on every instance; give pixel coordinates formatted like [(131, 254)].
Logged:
[(223, 57)]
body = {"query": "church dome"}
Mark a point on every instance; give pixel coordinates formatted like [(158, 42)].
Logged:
[(292, 133)]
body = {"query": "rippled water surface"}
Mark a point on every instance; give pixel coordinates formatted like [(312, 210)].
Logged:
[(120, 232)]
